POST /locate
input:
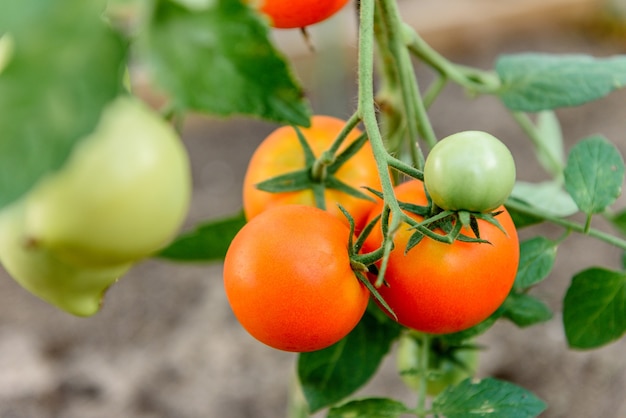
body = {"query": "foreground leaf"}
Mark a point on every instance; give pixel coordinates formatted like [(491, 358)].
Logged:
[(487, 398), (594, 174), (63, 70), (594, 308), (369, 408), (548, 196), (217, 58), (526, 310), (533, 82), (208, 242), (537, 257), (327, 376)]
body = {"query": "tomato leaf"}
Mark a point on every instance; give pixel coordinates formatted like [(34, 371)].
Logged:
[(525, 310), (208, 242), (594, 174), (547, 196), (218, 58), (533, 82), (62, 71), (550, 152), (371, 408), (594, 308), (537, 257), (619, 221), (327, 376), (520, 218), (487, 398)]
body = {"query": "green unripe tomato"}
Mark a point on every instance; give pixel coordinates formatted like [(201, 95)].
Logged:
[(76, 290), (471, 171), (442, 371), (122, 195)]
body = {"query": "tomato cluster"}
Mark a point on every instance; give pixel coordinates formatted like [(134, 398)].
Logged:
[(122, 195), (288, 273)]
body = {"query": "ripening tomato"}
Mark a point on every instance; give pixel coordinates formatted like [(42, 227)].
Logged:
[(289, 14), (281, 153), (442, 288), (470, 170), (289, 282)]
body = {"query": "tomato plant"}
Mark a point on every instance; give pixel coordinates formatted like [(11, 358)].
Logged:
[(441, 288), (294, 289), (281, 153), (285, 14), (469, 170)]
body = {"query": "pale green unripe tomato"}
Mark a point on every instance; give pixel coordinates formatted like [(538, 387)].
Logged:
[(77, 290), (122, 195)]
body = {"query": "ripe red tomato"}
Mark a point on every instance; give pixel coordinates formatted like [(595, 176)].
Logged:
[(289, 282), (281, 153), (288, 14), (442, 288)]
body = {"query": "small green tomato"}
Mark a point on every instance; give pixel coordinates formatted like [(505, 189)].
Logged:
[(76, 290), (122, 195), (471, 170)]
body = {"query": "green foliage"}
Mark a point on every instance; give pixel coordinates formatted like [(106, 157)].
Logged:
[(217, 58), (533, 82), (594, 308), (370, 408)]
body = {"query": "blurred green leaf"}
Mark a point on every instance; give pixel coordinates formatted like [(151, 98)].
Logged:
[(525, 310), (208, 242), (533, 82), (327, 376), (548, 196), (63, 70), (487, 398), (550, 155), (218, 59), (594, 308), (594, 174), (537, 257), (369, 408)]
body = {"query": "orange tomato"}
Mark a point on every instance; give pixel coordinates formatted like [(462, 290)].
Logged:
[(289, 282), (442, 288), (288, 14), (281, 153)]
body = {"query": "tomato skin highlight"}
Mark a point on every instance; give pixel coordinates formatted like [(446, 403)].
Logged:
[(442, 288), (289, 282), (287, 14), (470, 170), (280, 153)]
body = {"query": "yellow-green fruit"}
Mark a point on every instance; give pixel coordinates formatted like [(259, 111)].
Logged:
[(76, 290), (122, 195)]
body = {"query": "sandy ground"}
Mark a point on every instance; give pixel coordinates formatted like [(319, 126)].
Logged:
[(166, 345)]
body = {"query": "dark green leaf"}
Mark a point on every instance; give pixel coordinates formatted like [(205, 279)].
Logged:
[(537, 257), (525, 310), (619, 221), (327, 376), (533, 82), (594, 308), (487, 398), (219, 59), (208, 242), (369, 408), (63, 70), (594, 174)]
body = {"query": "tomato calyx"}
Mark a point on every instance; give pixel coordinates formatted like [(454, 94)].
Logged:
[(319, 172)]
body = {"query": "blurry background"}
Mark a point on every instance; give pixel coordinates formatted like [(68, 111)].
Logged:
[(166, 344)]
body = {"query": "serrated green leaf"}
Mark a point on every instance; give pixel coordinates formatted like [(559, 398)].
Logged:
[(594, 308), (550, 154), (525, 310), (219, 59), (487, 398), (369, 408), (63, 70), (533, 82), (547, 196), (208, 242), (327, 376), (537, 257), (594, 174)]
